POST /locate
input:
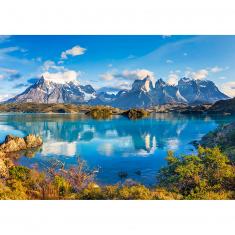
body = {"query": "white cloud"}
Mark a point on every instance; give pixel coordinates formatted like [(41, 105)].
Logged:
[(169, 61), (58, 74), (59, 148), (136, 74), (222, 78), (123, 85), (173, 79), (107, 76), (197, 75), (1, 76), (61, 77), (124, 79), (9, 50), (8, 71), (228, 88), (203, 73), (216, 69), (128, 75), (4, 97), (75, 51), (50, 65)]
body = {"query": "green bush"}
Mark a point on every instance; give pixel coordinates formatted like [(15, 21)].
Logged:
[(136, 113), (210, 171), (206, 175), (101, 112), (19, 173)]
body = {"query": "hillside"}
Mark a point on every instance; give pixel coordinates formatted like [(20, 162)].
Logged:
[(223, 106), (223, 137)]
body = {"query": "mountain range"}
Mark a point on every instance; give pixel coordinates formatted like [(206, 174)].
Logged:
[(142, 94)]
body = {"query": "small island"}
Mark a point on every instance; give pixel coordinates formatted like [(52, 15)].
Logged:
[(136, 113)]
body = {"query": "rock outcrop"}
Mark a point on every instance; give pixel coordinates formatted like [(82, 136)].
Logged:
[(15, 144), (136, 113)]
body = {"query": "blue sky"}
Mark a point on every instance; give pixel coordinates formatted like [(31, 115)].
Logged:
[(115, 61)]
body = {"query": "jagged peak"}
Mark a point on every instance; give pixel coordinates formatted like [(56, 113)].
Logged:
[(147, 78), (144, 84), (160, 82), (185, 79)]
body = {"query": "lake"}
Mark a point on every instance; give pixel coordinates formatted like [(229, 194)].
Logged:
[(137, 147)]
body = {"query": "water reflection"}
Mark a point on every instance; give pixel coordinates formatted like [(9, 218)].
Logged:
[(141, 137), (117, 144)]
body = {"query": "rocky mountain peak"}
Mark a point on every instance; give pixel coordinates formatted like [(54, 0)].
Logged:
[(145, 85), (160, 83), (143, 93)]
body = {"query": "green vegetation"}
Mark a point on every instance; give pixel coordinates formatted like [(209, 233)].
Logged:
[(207, 175), (224, 138), (102, 112), (59, 108), (41, 108), (136, 113)]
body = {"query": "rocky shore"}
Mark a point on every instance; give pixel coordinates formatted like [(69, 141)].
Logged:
[(14, 144), (224, 138)]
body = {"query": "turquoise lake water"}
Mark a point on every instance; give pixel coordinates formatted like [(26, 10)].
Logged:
[(116, 145)]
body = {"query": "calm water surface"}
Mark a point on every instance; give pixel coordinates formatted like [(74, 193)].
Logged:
[(112, 145)]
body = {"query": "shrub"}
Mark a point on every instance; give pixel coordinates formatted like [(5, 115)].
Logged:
[(208, 171), (19, 173), (100, 112), (136, 113), (138, 192)]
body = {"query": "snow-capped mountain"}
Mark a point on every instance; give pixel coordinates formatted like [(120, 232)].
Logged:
[(108, 90), (142, 94), (199, 91), (190, 91), (46, 91), (165, 93)]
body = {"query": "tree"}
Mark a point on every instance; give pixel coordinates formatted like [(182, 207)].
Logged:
[(191, 175)]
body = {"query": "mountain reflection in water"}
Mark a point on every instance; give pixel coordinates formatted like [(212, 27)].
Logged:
[(115, 145)]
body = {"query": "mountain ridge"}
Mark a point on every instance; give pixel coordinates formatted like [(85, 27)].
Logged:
[(141, 95)]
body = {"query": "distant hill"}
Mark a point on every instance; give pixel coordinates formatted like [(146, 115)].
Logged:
[(223, 106)]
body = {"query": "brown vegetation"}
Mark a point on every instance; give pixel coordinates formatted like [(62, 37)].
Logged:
[(207, 175), (102, 112), (136, 113)]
